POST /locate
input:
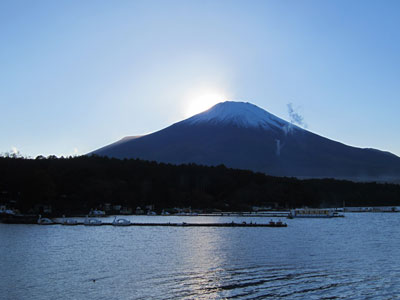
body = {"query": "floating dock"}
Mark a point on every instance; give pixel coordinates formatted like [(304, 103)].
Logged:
[(183, 224), (180, 224)]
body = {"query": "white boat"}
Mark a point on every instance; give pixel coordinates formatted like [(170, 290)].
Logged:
[(92, 222), (313, 213), (7, 212), (97, 213), (120, 222), (44, 221)]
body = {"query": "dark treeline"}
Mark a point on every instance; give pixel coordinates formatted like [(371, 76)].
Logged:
[(80, 183)]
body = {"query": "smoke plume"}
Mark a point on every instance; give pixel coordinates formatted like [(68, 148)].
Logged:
[(295, 117)]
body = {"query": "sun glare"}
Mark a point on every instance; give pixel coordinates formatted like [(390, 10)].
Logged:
[(201, 103)]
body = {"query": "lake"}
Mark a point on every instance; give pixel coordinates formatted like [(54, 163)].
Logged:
[(355, 257)]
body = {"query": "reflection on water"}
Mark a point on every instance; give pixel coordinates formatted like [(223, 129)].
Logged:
[(355, 257)]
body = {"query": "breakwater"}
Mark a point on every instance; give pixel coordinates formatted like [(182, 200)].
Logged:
[(180, 224)]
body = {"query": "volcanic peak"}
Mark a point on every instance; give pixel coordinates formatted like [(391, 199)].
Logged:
[(240, 114)]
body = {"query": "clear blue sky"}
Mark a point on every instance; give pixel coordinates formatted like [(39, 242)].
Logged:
[(76, 75)]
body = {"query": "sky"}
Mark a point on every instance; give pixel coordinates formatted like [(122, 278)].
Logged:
[(77, 75)]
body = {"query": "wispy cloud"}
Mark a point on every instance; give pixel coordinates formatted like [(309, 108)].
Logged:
[(295, 117)]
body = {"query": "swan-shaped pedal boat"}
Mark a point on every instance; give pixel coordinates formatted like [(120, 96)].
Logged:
[(120, 222), (44, 221)]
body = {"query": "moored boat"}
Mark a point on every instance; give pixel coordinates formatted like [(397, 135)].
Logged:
[(120, 222), (313, 213), (92, 222), (44, 221), (97, 213), (278, 223), (69, 221)]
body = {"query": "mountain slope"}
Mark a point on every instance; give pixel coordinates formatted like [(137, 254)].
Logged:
[(242, 135)]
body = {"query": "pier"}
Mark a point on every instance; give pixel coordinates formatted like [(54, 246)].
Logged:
[(178, 224), (130, 224)]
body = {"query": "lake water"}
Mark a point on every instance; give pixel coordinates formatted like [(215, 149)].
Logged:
[(356, 257)]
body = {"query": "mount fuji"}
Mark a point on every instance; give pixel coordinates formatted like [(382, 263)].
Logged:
[(244, 136)]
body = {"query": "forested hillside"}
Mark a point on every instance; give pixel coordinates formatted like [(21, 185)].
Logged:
[(74, 185)]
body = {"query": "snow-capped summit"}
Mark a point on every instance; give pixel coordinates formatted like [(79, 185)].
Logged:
[(240, 114)]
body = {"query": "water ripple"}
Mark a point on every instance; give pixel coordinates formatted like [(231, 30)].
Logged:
[(355, 257)]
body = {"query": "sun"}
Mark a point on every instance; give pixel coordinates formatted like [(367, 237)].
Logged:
[(202, 102)]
